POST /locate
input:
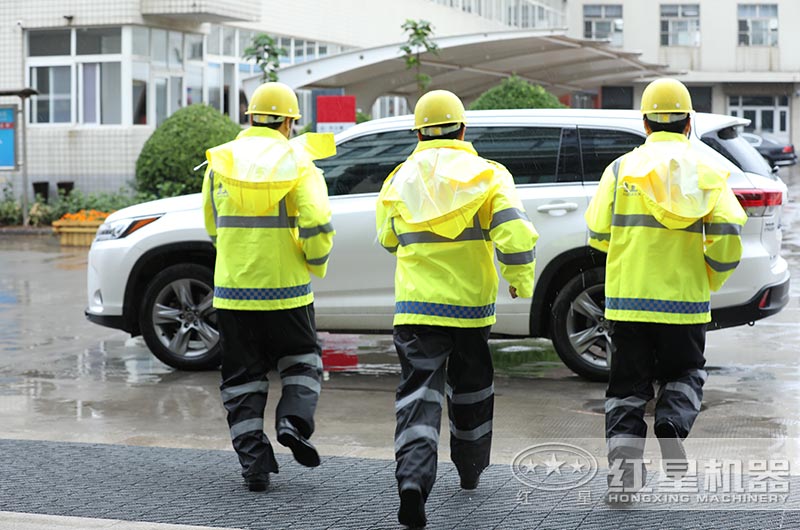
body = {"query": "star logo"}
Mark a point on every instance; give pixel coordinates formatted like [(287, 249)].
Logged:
[(553, 465)]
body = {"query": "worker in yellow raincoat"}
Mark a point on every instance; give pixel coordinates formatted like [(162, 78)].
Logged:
[(671, 227), (440, 212), (266, 207)]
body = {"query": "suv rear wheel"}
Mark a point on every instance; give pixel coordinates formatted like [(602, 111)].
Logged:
[(177, 318), (580, 330)]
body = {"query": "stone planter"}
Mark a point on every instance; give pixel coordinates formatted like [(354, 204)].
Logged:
[(76, 233)]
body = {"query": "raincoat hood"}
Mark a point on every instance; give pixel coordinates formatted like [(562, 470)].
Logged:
[(261, 166), (678, 185), (441, 186)]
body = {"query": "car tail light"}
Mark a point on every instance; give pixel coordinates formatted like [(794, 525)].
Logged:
[(788, 149), (759, 203)]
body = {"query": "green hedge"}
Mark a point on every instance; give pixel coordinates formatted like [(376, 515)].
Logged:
[(165, 167), (516, 93)]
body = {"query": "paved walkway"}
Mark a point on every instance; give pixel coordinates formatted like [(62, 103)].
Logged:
[(112, 484)]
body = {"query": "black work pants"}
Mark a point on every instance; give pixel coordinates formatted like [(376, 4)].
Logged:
[(439, 361), (253, 343), (671, 354)]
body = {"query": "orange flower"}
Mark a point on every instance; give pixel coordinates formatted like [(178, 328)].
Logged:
[(85, 215)]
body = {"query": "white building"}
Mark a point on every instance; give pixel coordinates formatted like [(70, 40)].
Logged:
[(737, 57), (109, 72)]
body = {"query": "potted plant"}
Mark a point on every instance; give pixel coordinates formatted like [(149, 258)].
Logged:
[(79, 228)]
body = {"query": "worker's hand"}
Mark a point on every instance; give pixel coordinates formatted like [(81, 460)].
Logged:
[(512, 291)]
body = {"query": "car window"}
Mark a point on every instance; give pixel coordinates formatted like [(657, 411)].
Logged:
[(362, 164), (600, 147), (529, 153), (736, 149)]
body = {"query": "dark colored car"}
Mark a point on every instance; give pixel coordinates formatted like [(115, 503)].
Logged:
[(775, 153)]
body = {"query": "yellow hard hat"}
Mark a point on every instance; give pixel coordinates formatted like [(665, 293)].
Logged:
[(276, 99), (436, 108), (666, 100)]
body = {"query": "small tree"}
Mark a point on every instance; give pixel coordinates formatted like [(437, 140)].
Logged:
[(516, 93), (419, 41), (165, 166), (267, 54)]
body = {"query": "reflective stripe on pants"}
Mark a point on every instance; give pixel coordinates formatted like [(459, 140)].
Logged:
[(438, 361)]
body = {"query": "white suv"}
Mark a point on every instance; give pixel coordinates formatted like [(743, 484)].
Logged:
[(155, 278)]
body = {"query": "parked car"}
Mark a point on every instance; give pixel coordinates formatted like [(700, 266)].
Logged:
[(774, 152), (155, 278)]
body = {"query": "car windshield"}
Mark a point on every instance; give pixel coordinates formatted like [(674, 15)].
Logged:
[(732, 146)]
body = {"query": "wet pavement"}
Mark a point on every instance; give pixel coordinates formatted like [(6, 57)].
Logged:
[(84, 393)]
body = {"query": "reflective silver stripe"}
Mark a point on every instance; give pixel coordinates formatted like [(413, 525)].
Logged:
[(253, 387), (600, 236), (702, 374), (473, 233), (314, 230), (515, 258), (390, 249), (721, 267), (266, 221), (421, 394), (302, 380), (318, 261), (311, 359), (416, 432), (615, 171), (625, 440), (473, 434), (238, 429), (509, 214), (630, 401), (648, 221), (211, 195), (723, 229), (686, 390), (468, 398)]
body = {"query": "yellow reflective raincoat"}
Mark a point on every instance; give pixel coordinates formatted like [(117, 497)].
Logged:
[(266, 207), (672, 228), (440, 211)]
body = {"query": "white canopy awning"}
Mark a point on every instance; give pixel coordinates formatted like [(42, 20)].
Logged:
[(468, 65)]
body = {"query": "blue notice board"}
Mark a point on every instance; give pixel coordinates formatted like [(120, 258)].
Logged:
[(8, 137)]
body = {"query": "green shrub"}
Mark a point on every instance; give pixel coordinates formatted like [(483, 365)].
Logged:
[(165, 166), (516, 93), (10, 209)]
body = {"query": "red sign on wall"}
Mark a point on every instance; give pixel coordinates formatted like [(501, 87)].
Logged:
[(335, 113)]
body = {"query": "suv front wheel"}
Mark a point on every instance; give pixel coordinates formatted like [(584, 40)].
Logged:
[(580, 331), (177, 318)]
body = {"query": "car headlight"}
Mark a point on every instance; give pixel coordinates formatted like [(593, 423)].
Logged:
[(122, 227)]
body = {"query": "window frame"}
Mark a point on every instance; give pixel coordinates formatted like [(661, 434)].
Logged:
[(671, 34), (615, 35), (770, 33)]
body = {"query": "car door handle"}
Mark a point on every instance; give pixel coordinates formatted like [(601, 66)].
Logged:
[(553, 206)]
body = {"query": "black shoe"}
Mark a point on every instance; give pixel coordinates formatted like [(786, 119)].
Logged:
[(412, 509), (673, 454), (304, 452), (470, 483), (257, 482)]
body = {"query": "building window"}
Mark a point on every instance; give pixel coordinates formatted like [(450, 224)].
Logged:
[(616, 97), (603, 22), (767, 114), (758, 24), (54, 102), (680, 25), (100, 101), (95, 41), (49, 43)]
